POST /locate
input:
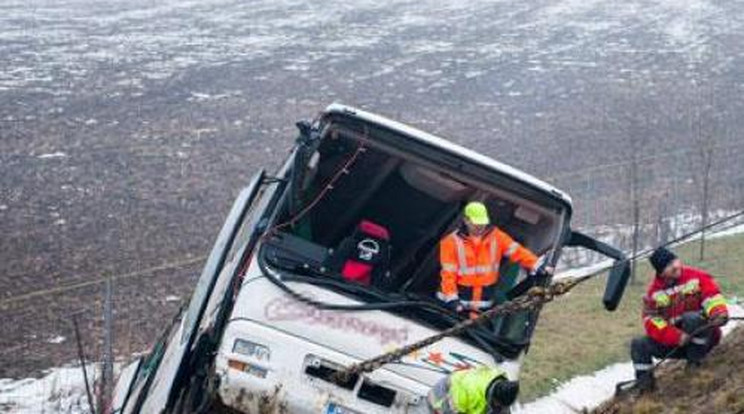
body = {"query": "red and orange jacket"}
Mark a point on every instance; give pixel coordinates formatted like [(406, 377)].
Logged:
[(667, 300), (470, 265)]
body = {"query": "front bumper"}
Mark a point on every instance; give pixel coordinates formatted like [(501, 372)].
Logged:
[(292, 381)]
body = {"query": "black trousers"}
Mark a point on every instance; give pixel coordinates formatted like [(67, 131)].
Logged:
[(644, 349)]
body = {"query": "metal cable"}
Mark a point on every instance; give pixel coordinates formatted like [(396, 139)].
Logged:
[(534, 298), (627, 385), (60, 289)]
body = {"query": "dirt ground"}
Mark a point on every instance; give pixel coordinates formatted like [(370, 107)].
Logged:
[(717, 387), (128, 127)]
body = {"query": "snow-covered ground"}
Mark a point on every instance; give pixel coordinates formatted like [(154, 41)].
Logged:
[(588, 391), (56, 44), (60, 390), (102, 96), (576, 262), (583, 391), (728, 232)]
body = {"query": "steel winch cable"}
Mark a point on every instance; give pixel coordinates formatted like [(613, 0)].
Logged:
[(534, 298)]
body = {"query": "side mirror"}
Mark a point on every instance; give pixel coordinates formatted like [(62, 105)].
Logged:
[(619, 274), (616, 282)]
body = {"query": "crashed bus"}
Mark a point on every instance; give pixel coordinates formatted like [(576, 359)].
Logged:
[(277, 313)]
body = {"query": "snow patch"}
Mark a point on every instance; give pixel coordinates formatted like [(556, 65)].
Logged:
[(619, 234), (582, 391), (585, 270), (200, 96), (474, 74), (60, 390), (729, 232), (58, 154), (57, 339)]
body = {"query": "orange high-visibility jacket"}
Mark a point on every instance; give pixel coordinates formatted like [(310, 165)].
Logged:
[(470, 266)]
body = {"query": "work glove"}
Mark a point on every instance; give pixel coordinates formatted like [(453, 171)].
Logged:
[(543, 271), (719, 319), (541, 267), (454, 306)]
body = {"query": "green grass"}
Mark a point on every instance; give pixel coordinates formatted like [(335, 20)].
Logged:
[(575, 335)]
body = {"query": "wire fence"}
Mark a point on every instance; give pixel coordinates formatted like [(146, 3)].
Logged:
[(640, 203), (37, 333), (634, 205)]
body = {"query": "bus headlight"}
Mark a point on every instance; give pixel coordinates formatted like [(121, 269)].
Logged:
[(253, 350)]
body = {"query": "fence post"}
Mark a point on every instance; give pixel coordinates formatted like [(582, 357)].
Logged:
[(108, 356), (81, 356)]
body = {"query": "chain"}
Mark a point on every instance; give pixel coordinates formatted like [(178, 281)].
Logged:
[(534, 298)]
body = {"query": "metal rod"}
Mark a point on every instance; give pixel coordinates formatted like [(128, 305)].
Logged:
[(108, 357), (81, 356)]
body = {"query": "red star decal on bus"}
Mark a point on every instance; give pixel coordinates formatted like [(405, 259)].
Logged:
[(435, 357)]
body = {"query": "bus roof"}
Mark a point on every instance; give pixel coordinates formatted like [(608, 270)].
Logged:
[(445, 145)]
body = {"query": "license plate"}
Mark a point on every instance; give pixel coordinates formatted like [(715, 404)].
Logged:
[(333, 408)]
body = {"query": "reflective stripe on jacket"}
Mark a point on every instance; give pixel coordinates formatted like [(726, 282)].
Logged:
[(667, 300), (464, 392), (470, 265)]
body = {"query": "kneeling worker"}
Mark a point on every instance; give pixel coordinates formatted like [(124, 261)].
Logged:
[(470, 259), (473, 391), (682, 313)]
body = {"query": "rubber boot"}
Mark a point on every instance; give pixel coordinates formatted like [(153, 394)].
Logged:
[(646, 383), (693, 365)]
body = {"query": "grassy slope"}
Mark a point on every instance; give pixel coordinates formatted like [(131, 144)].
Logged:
[(575, 335), (715, 388)]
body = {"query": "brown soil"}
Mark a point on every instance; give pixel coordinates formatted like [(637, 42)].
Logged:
[(716, 387)]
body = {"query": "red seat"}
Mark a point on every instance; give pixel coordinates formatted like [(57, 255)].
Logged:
[(365, 253)]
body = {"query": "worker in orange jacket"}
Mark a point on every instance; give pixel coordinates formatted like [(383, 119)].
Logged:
[(470, 259), (683, 310)]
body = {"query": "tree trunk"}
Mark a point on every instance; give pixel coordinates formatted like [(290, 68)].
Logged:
[(708, 158), (636, 214)]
